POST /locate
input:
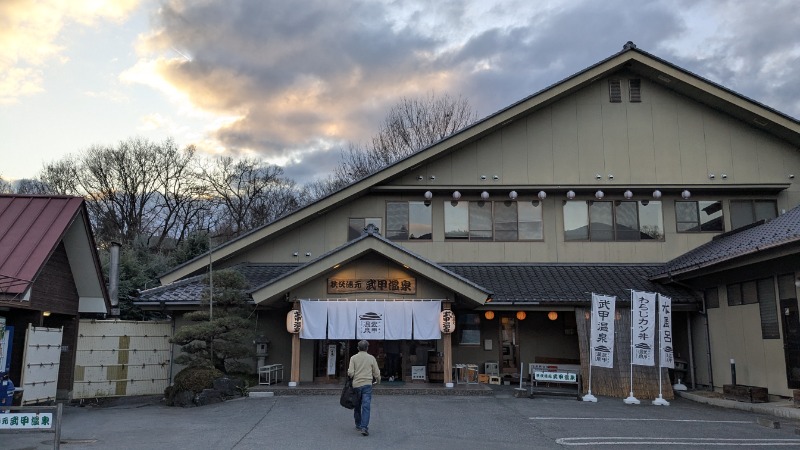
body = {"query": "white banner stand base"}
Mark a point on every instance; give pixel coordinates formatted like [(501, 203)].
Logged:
[(590, 398), (631, 400), (679, 386), (660, 401), (448, 385), (293, 384)]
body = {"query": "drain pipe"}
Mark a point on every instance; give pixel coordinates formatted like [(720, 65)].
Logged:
[(113, 279)]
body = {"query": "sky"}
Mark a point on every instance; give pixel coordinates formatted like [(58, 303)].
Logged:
[(293, 82)]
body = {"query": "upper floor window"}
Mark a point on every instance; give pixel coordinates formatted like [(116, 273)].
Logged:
[(711, 297), (696, 216), (613, 221), (408, 220), (358, 224), (745, 212), (498, 221)]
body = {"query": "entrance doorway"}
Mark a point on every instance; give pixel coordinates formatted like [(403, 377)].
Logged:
[(395, 358), (509, 348)]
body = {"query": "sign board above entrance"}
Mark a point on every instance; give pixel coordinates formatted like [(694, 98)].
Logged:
[(388, 285)]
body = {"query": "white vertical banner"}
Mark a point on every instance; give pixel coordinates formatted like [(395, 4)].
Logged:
[(315, 319), (398, 320), (370, 323), (341, 320), (643, 328), (426, 319), (666, 357), (602, 335)]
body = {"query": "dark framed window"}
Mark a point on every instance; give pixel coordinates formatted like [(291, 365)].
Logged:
[(356, 226), (734, 294), (493, 221), (469, 329), (407, 221), (711, 296), (767, 306), (745, 212), (698, 216), (613, 221)]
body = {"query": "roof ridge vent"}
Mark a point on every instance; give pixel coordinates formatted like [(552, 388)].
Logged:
[(629, 46)]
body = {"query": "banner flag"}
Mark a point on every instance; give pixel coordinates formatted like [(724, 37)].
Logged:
[(666, 357), (315, 319), (341, 320), (643, 328), (426, 319), (602, 335)]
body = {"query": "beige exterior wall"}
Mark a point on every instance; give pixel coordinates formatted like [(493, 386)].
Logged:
[(735, 333), (666, 140)]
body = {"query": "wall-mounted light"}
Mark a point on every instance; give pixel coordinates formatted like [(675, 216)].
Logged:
[(512, 195), (485, 195), (295, 254), (628, 194), (597, 176), (791, 176), (711, 176), (656, 194), (420, 177), (489, 315), (46, 313), (428, 195), (611, 176), (542, 195), (552, 315), (599, 195), (495, 177), (686, 194), (570, 194), (724, 176), (456, 195), (521, 315), (308, 253), (433, 177), (483, 177)]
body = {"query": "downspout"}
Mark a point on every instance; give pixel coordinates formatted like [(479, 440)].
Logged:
[(113, 279)]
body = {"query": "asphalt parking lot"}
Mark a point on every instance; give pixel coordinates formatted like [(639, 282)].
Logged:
[(409, 422)]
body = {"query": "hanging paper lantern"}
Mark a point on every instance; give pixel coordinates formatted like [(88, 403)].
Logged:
[(552, 315), (489, 315), (294, 321), (447, 321), (521, 315)]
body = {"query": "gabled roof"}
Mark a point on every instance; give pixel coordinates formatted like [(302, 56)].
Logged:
[(782, 231), (371, 242), (31, 228), (630, 59)]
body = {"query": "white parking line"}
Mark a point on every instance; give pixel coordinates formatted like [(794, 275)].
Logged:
[(624, 419), (674, 441)]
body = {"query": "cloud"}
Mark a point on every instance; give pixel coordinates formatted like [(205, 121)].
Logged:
[(29, 31), (298, 83)]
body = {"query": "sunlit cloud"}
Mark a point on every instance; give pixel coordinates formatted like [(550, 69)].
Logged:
[(29, 31)]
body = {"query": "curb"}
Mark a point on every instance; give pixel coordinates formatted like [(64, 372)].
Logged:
[(779, 409)]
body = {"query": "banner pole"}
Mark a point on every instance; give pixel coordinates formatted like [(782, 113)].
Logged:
[(589, 397), (631, 400), (660, 400)]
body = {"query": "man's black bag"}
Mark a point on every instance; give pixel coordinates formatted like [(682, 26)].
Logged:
[(349, 395)]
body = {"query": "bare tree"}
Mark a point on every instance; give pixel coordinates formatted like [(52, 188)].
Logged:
[(248, 193), (5, 186), (409, 126)]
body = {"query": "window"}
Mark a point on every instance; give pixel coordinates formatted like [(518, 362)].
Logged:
[(635, 90), (615, 91), (711, 297), (768, 308), (613, 221), (488, 221), (699, 216), (469, 326), (745, 212), (357, 225), (407, 221), (734, 294)]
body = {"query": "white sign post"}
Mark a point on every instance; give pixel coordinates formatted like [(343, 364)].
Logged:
[(643, 321), (601, 341), (665, 356)]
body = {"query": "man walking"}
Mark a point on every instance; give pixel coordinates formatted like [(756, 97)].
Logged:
[(365, 372)]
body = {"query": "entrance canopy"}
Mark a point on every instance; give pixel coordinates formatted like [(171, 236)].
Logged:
[(370, 319)]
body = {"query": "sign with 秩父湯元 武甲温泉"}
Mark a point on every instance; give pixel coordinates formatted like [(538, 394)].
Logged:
[(384, 285)]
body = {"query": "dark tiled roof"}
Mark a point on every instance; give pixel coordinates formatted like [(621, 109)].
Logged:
[(30, 228), (520, 283), (189, 290), (566, 283), (784, 229)]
